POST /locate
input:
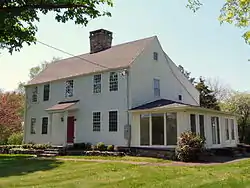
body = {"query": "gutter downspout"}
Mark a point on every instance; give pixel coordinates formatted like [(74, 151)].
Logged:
[(128, 116)]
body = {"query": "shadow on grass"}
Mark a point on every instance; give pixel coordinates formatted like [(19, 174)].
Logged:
[(12, 165)]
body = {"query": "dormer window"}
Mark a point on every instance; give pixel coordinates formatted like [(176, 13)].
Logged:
[(155, 56), (69, 90)]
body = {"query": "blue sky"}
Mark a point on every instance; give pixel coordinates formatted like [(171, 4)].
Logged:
[(196, 41)]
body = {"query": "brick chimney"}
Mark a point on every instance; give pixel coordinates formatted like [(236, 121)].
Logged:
[(100, 40)]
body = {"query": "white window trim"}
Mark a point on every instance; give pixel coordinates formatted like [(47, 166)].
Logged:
[(114, 81), (165, 132), (65, 89), (157, 56), (155, 88), (47, 125), (100, 121), (93, 84), (117, 120), (37, 95), (49, 91), (33, 127)]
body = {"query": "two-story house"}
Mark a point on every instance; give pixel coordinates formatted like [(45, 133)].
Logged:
[(128, 94)]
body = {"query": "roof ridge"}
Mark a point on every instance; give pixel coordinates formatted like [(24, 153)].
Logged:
[(117, 45)]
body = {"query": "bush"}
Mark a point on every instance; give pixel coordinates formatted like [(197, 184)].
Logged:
[(88, 146), (110, 147), (101, 146), (15, 139), (189, 146)]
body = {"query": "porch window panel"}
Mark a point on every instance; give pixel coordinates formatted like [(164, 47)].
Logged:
[(144, 130), (202, 128), (218, 130), (232, 129), (171, 128), (227, 129), (193, 123), (213, 126), (157, 129)]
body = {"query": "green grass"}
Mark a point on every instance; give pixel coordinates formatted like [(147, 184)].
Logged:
[(18, 171), (125, 158)]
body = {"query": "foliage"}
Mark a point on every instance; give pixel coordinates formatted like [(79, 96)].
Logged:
[(221, 91), (207, 97), (110, 147), (101, 146), (235, 12), (34, 71), (88, 146), (189, 146), (239, 103), (15, 139), (18, 18), (186, 74), (11, 114)]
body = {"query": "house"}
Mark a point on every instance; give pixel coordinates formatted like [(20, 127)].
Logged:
[(130, 94)]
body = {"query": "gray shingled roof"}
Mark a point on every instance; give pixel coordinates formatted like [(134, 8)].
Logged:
[(119, 56)]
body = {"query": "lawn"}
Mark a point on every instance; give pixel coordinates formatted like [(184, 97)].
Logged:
[(19, 171), (125, 158)]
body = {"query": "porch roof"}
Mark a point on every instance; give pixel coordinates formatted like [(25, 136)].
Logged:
[(169, 105), (64, 105)]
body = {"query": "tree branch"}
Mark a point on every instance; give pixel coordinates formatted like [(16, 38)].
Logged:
[(41, 6)]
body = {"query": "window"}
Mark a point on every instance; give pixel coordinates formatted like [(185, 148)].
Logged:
[(215, 130), (202, 128), (35, 94), (171, 128), (113, 81), (157, 129), (46, 90), (113, 121), (96, 121), (180, 97), (227, 129), (45, 122), (97, 85), (193, 123), (232, 129), (157, 91), (32, 126), (144, 130), (155, 56), (69, 88)]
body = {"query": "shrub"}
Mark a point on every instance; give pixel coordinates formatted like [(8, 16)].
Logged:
[(110, 147), (189, 146), (15, 139), (88, 146), (101, 146)]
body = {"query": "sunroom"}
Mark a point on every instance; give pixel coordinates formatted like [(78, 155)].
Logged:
[(160, 123)]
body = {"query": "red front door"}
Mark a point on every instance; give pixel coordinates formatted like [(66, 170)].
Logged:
[(70, 130)]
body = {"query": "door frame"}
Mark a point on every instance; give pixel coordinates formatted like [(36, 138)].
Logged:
[(74, 132)]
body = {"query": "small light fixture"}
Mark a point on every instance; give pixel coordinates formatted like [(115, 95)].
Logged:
[(62, 119)]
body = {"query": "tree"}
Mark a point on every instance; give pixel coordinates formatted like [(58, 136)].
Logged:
[(186, 74), (18, 18), (34, 71), (236, 12), (207, 98), (221, 91), (239, 103), (11, 114)]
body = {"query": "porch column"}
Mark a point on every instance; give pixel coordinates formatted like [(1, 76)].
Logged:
[(165, 130), (65, 123), (50, 124), (150, 129)]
